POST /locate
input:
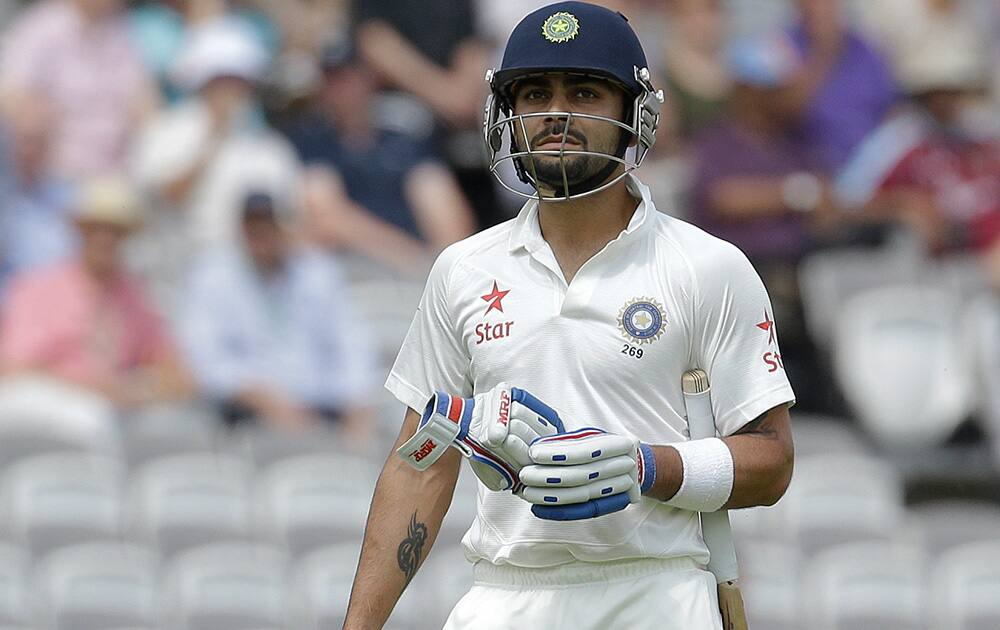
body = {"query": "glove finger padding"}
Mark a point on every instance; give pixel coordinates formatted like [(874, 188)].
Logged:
[(581, 446), (580, 511), (583, 474), (622, 484)]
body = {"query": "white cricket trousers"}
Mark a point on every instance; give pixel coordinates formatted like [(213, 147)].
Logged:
[(671, 594)]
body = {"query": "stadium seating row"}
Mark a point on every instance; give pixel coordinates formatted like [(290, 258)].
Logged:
[(230, 585)]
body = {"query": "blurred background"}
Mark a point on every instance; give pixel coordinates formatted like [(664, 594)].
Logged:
[(216, 219)]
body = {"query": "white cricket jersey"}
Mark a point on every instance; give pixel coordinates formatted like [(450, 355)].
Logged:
[(607, 350)]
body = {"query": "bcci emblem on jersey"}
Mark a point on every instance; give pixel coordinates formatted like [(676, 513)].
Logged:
[(642, 320)]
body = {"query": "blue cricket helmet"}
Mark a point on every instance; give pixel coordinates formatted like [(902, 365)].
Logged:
[(573, 38)]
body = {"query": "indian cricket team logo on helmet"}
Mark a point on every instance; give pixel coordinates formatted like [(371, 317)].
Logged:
[(642, 320), (560, 27)]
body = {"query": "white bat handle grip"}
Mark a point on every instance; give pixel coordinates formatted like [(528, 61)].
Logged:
[(715, 527)]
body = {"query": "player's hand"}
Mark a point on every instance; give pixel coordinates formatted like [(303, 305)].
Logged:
[(493, 430), (585, 474)]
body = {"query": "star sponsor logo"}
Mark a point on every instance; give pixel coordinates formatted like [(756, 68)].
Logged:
[(641, 320), (486, 331), (495, 299), (560, 27), (771, 359), (767, 326)]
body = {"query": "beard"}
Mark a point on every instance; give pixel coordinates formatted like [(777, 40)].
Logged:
[(578, 168), (556, 172)]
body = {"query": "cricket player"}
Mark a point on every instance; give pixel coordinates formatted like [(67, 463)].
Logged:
[(549, 351)]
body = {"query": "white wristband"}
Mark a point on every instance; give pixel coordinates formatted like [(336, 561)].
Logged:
[(708, 475)]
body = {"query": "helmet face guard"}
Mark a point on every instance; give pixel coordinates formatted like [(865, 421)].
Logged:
[(507, 139)]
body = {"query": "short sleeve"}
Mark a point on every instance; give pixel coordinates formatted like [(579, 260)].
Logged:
[(432, 356), (735, 339)]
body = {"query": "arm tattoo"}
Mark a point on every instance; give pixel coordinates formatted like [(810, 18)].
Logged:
[(762, 425), (409, 550)]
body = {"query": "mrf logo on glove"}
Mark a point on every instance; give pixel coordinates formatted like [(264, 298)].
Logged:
[(493, 430), (504, 407), (425, 449)]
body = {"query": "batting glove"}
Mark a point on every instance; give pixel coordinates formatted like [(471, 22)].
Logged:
[(493, 430), (585, 474)]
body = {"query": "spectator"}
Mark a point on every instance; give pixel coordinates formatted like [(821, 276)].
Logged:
[(306, 27), (35, 228), (846, 88), (697, 82), (929, 167), (431, 51), (268, 328), (404, 205), (73, 60), (160, 30), (203, 155), (86, 321), (760, 188)]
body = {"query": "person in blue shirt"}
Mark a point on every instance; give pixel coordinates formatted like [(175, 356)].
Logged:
[(374, 190), (269, 332)]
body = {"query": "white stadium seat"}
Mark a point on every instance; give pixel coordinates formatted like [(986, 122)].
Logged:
[(874, 585), (226, 586), (97, 586), (816, 435), (982, 321), (39, 415), (839, 498), (264, 445), (769, 580), (310, 501), (61, 499), (320, 586), (14, 564), (965, 587), (161, 431), (184, 501), (387, 319), (829, 278), (899, 358), (944, 524)]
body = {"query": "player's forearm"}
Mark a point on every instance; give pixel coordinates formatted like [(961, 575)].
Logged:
[(762, 471), (762, 455), (403, 522)]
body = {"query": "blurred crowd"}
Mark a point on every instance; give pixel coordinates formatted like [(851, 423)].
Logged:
[(193, 191)]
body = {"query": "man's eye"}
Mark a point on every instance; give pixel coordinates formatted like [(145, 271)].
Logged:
[(585, 93), (534, 95)]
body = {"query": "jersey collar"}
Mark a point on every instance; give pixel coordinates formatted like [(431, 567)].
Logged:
[(527, 234)]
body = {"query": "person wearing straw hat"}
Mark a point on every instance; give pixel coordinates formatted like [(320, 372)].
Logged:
[(86, 321)]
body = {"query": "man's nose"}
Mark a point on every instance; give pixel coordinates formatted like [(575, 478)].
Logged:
[(557, 105)]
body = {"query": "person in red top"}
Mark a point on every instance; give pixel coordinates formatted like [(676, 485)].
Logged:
[(930, 167), (85, 321)]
